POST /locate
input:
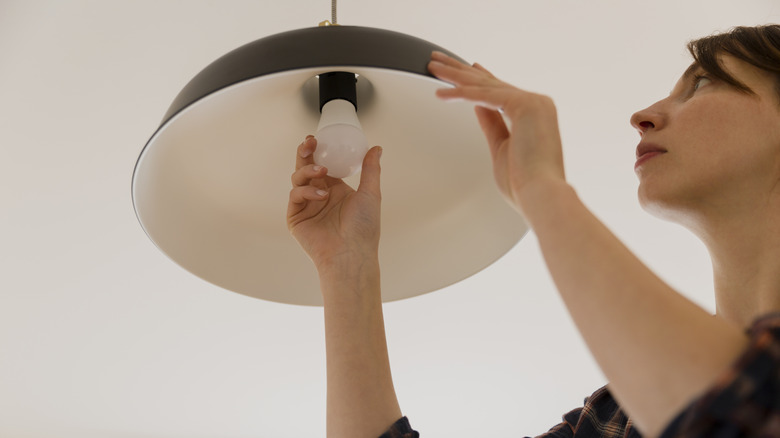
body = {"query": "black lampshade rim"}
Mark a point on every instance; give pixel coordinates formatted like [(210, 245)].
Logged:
[(316, 47)]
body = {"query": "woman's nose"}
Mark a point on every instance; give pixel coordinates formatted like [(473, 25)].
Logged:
[(641, 121), (647, 119)]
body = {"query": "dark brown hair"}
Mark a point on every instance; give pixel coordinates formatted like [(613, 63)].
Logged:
[(758, 46)]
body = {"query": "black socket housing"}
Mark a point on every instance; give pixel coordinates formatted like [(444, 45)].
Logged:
[(338, 85)]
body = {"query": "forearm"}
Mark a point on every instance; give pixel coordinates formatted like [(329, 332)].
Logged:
[(658, 349), (361, 400)]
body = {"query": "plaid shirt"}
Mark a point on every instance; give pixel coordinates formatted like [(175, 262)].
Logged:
[(744, 402)]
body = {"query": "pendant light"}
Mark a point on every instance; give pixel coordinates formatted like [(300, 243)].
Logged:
[(210, 187)]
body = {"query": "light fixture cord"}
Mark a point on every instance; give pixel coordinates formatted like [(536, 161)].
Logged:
[(333, 17)]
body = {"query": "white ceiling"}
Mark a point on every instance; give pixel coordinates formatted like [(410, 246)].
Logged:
[(102, 336)]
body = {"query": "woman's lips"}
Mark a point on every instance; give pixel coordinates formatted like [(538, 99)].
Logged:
[(646, 151), (646, 157)]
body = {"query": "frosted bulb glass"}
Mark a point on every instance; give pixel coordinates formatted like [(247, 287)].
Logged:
[(341, 144)]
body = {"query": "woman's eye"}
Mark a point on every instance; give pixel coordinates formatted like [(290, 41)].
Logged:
[(700, 81)]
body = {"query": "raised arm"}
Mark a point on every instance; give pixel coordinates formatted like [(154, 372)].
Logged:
[(657, 349), (338, 228)]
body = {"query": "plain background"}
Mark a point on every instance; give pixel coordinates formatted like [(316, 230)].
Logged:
[(101, 336)]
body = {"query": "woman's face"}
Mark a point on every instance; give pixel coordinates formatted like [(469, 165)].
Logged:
[(709, 148)]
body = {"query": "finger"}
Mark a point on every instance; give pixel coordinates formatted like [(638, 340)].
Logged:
[(305, 174), (493, 126), (446, 59), (452, 62), (370, 175), (300, 196), (479, 66), (492, 97), (459, 75), (305, 153)]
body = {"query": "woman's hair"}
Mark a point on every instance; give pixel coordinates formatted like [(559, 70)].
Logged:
[(758, 46)]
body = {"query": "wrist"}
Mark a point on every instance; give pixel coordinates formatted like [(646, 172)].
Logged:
[(541, 197), (349, 272), (347, 264)]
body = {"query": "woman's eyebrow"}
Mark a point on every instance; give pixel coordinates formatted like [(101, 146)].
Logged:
[(691, 70)]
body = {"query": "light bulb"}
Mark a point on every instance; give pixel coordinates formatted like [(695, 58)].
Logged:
[(341, 144)]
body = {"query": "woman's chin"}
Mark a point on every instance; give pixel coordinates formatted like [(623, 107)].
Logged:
[(662, 207)]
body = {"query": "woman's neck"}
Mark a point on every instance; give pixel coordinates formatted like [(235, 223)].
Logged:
[(745, 252)]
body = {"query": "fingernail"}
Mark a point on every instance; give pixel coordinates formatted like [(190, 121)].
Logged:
[(379, 152), (322, 193), (316, 168)]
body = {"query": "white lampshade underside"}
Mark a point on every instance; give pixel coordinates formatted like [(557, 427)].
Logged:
[(212, 185)]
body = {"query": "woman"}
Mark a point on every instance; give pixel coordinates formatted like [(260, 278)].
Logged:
[(708, 158)]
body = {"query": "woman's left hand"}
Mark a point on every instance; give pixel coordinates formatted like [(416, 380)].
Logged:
[(525, 153), (331, 221)]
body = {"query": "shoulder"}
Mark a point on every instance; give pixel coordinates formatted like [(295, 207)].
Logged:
[(600, 416), (743, 401)]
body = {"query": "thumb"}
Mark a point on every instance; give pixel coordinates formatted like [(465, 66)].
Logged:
[(493, 126), (369, 176)]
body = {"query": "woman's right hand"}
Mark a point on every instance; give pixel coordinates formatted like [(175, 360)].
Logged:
[(525, 152), (335, 225)]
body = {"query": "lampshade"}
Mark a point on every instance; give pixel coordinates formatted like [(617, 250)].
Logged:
[(211, 186)]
